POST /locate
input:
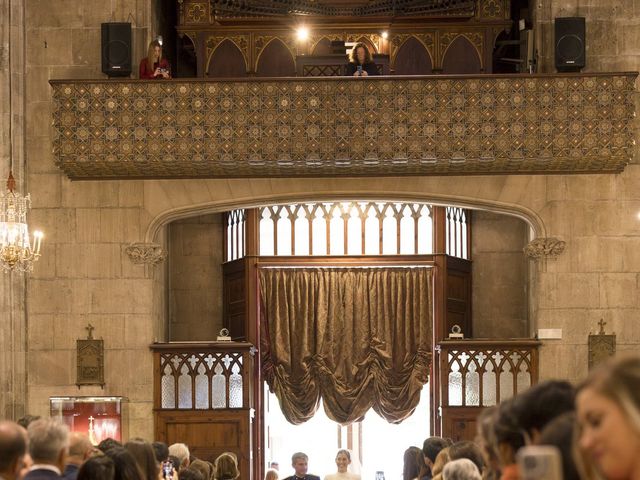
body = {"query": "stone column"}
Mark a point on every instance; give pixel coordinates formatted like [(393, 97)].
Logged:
[(13, 321)]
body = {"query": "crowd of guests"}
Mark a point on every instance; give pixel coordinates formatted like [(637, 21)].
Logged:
[(594, 430), (45, 450)]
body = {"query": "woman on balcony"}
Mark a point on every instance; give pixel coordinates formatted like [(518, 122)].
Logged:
[(154, 65), (361, 63)]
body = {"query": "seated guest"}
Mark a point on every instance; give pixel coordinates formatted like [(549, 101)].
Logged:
[(559, 433), (430, 449), (361, 63), (441, 460), (226, 467), (126, 467), (608, 411), (300, 464), (13, 449), (201, 466), (272, 474), (190, 474), (486, 441), (412, 463), (468, 450), (97, 468), (461, 469), (108, 443), (154, 66), (181, 452), (48, 447), (80, 449), (145, 458), (161, 451)]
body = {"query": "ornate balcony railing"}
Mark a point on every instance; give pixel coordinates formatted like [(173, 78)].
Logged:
[(481, 373), (569, 123), (198, 376)]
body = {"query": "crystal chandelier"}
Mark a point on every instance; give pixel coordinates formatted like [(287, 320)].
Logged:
[(17, 252)]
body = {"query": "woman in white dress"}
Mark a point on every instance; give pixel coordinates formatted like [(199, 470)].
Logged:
[(343, 460)]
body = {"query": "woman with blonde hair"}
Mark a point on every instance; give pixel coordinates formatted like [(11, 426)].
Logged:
[(272, 474), (343, 460), (608, 410), (226, 467), (154, 65), (441, 460)]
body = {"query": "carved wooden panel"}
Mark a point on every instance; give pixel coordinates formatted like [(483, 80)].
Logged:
[(462, 53), (234, 298), (412, 58), (226, 57)]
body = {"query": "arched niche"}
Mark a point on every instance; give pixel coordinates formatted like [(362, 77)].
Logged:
[(323, 47), (276, 61), (186, 58), (227, 61), (461, 57), (413, 59), (370, 46)]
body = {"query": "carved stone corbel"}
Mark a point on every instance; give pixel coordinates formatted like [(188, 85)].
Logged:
[(146, 253), (545, 247)]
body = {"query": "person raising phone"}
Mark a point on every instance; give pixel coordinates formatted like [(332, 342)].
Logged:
[(361, 64), (154, 65)]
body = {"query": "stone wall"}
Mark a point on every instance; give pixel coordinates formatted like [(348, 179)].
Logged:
[(84, 275), (195, 278), (500, 276)]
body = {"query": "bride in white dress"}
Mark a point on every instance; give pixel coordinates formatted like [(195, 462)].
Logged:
[(343, 460)]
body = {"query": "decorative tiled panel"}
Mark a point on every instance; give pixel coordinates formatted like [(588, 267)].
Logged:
[(346, 127)]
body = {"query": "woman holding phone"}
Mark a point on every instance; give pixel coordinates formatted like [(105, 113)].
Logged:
[(361, 63), (154, 65)]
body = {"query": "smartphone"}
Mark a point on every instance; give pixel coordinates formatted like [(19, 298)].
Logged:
[(167, 469), (540, 462), (359, 69)]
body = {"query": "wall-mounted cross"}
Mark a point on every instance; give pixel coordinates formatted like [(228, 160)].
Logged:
[(602, 323), (89, 328)]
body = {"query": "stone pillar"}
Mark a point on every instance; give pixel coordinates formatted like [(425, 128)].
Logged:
[(13, 321)]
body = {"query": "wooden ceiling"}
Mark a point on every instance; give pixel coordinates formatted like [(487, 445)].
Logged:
[(343, 8)]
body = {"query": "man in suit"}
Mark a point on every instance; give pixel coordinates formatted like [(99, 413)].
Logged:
[(300, 463), (80, 450), (13, 449), (48, 446)]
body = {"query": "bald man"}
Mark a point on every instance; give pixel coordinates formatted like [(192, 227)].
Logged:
[(80, 449), (13, 448)]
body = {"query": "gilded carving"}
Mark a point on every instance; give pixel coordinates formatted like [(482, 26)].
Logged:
[(423, 125), (146, 253), (262, 41), (492, 9), (545, 247), (240, 41), (197, 12), (476, 39)]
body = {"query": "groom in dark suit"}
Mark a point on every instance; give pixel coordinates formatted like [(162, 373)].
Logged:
[(48, 446), (299, 462)]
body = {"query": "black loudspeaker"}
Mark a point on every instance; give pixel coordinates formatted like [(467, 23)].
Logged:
[(116, 49), (570, 44)]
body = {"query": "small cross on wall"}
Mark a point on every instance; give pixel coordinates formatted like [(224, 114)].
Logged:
[(89, 328), (601, 323)]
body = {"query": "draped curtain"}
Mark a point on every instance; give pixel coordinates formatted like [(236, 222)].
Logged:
[(356, 337)]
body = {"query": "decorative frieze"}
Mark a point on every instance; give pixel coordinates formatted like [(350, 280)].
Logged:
[(146, 253), (435, 125), (545, 247)]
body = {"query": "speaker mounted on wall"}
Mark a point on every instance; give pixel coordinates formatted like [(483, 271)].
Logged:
[(116, 49), (570, 44)]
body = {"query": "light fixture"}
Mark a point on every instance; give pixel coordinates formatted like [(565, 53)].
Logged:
[(385, 35), (303, 33), (17, 252)]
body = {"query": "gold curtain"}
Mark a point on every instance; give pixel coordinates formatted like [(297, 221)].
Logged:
[(357, 337)]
